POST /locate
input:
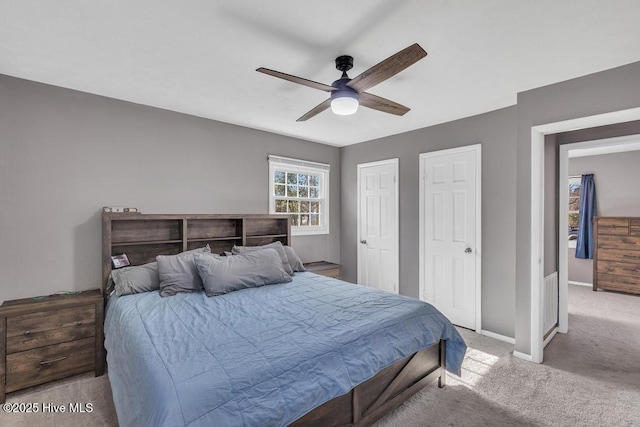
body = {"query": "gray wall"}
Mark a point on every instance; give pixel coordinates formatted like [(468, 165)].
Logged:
[(65, 154), (617, 194), (496, 132), (607, 91)]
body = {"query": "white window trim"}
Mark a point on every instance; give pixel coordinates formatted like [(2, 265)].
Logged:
[(295, 165)]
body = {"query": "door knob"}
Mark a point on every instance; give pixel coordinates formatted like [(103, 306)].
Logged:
[(468, 251), (364, 242)]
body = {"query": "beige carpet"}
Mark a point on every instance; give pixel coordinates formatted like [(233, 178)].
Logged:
[(590, 377), (85, 388)]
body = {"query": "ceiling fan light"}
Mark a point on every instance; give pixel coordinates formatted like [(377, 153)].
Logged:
[(344, 103)]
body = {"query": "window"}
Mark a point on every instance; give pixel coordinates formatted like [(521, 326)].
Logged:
[(574, 209), (301, 189)]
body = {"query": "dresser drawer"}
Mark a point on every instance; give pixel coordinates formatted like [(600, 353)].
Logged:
[(613, 226), (618, 268), (618, 255), (634, 227), (619, 242), (44, 328), (618, 283), (44, 364)]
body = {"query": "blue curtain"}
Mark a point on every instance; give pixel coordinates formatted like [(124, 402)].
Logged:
[(584, 244)]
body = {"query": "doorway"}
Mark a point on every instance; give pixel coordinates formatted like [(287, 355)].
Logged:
[(537, 216), (574, 150)]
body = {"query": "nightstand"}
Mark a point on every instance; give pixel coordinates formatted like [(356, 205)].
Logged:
[(47, 338), (324, 268)]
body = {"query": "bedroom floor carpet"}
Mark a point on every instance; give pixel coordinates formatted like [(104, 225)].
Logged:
[(590, 377)]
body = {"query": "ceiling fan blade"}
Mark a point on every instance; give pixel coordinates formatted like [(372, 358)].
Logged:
[(388, 68), (381, 104), (316, 110), (295, 79)]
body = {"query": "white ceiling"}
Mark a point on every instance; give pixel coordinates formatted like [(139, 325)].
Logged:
[(199, 57)]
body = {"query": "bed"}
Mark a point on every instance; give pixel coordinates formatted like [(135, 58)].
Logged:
[(312, 351)]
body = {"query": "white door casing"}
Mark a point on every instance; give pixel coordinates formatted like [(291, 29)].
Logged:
[(450, 226), (378, 254), (536, 337)]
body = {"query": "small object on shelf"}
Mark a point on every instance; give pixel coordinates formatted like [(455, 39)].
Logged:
[(119, 209), (324, 268), (120, 261), (50, 338)]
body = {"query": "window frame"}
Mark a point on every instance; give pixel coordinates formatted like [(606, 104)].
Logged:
[(306, 167)]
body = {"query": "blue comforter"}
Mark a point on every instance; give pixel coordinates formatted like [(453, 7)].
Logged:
[(259, 357)]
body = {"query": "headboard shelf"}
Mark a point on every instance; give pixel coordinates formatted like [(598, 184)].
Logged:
[(274, 236), (144, 236), (215, 239), (148, 242)]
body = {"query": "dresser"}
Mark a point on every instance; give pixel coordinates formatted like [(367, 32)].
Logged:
[(48, 338), (616, 260)]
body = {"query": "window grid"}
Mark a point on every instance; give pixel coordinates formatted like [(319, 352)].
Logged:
[(298, 194), (575, 183), (300, 191)]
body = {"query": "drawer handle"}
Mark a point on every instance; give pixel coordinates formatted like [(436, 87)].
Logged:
[(79, 323), (27, 333), (48, 362)]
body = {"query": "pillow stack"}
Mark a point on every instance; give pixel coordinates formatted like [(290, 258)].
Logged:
[(289, 259), (191, 271), (178, 273), (221, 275)]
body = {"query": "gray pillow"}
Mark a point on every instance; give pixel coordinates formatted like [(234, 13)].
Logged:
[(294, 261), (133, 280), (221, 275), (275, 245), (178, 273)]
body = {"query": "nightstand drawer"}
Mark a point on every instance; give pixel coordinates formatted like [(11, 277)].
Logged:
[(40, 329), (330, 272), (41, 365), (324, 268)]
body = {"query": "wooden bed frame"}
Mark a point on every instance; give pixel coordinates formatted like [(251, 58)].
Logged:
[(143, 237)]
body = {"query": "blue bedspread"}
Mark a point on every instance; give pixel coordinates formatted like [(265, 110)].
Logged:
[(259, 357)]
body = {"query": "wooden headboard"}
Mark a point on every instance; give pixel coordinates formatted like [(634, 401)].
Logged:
[(143, 237)]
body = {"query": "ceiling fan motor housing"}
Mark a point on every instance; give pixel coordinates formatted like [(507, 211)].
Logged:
[(343, 91), (343, 63)]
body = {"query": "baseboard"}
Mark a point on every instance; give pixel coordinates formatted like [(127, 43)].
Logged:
[(498, 337), (523, 356), (571, 282)]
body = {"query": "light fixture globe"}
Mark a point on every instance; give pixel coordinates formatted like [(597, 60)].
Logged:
[(344, 103), (344, 100)]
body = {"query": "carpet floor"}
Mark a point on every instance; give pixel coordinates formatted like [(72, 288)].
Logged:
[(590, 377)]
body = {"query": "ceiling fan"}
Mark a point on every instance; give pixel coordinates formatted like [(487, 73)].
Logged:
[(348, 93)]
